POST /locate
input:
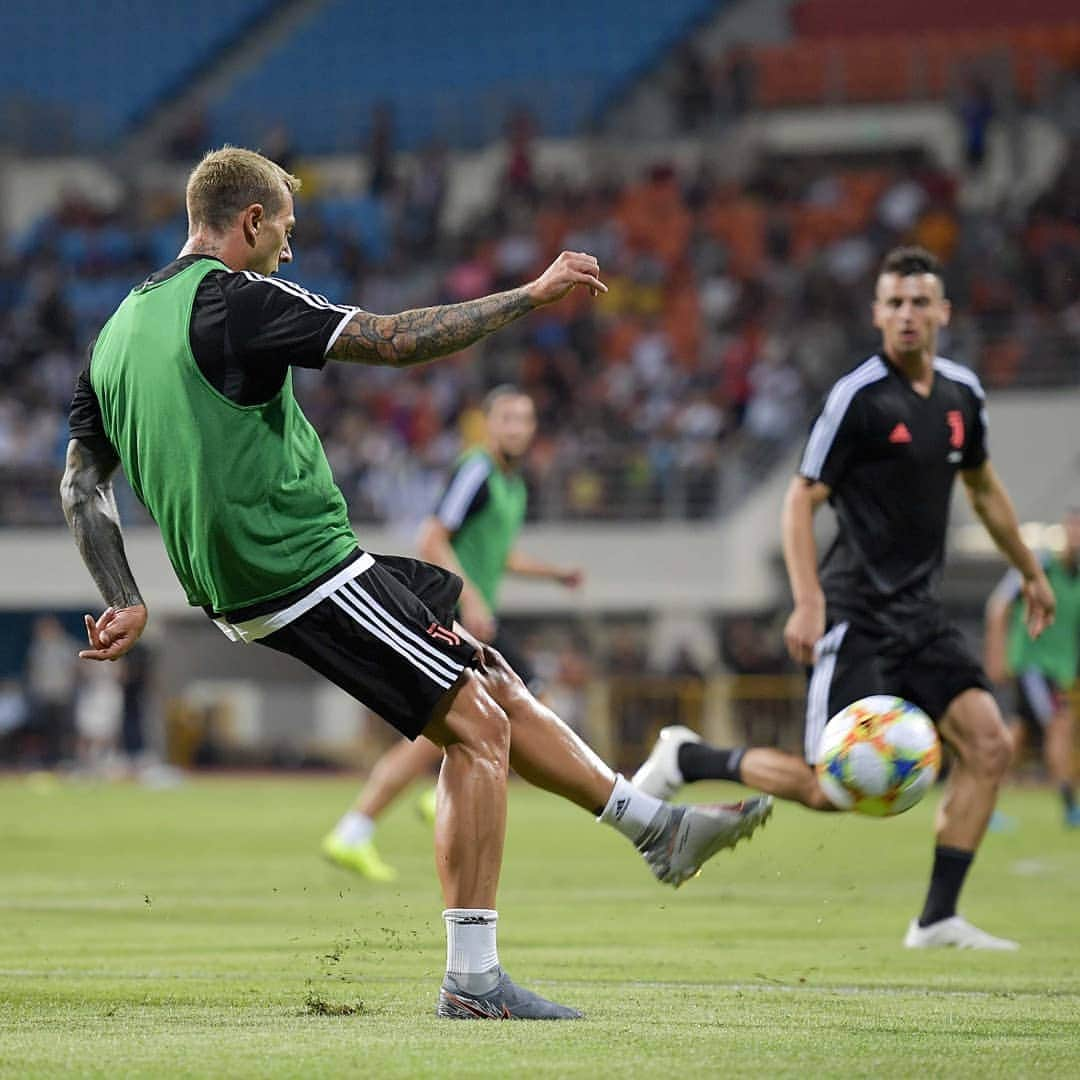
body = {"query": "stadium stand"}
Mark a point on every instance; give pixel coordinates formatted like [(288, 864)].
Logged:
[(352, 56), (84, 87), (731, 305)]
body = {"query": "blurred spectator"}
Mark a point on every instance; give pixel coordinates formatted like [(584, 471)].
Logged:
[(738, 78), (691, 88), (13, 716), (135, 684), (976, 112), (380, 152), (98, 714), (51, 677), (520, 131), (645, 395)]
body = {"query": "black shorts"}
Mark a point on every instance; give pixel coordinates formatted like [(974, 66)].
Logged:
[(386, 638), (851, 664), (1038, 698)]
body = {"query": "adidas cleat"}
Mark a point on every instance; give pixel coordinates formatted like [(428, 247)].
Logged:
[(507, 1001), (659, 775), (362, 858), (957, 933), (682, 838)]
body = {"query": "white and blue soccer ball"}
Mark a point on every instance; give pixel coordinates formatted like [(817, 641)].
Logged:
[(879, 756)]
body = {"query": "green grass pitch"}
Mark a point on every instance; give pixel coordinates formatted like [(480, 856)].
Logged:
[(195, 932)]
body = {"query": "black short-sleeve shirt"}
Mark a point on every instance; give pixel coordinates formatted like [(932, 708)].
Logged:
[(246, 331), (890, 456)]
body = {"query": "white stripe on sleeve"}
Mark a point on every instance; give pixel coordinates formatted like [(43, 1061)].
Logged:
[(832, 415), (467, 481)]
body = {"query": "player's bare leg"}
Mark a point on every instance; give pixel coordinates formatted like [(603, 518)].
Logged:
[(973, 727), (982, 747), (543, 750), (783, 775), (470, 821), (674, 840), (681, 757), (491, 720), (470, 826)]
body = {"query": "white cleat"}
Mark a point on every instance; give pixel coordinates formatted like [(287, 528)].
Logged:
[(682, 838), (660, 775), (955, 932)]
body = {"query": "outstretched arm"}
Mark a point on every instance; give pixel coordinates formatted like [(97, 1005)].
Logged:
[(807, 620), (991, 502), (996, 627), (524, 565), (413, 337), (86, 494)]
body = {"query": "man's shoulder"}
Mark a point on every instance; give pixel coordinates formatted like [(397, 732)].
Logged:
[(475, 458), (853, 382), (958, 373)]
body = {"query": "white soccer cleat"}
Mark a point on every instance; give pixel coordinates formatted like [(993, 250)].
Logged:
[(955, 932), (660, 775)]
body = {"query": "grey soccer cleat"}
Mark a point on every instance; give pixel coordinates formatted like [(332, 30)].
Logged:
[(659, 774), (682, 838), (507, 1001)]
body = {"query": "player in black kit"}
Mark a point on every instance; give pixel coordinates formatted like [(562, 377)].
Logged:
[(884, 451)]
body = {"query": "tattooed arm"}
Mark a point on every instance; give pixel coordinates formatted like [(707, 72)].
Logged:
[(86, 494), (413, 337)]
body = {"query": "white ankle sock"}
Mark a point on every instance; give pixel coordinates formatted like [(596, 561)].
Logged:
[(629, 810), (471, 955), (355, 828)]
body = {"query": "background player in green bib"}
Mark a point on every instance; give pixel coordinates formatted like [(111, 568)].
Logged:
[(189, 387), (1044, 668), (473, 533)]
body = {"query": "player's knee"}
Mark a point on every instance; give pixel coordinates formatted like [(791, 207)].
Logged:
[(485, 728), (990, 752), (499, 672)]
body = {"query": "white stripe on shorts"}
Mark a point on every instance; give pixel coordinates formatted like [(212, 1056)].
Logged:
[(387, 638), (422, 643), (817, 697), (364, 610)]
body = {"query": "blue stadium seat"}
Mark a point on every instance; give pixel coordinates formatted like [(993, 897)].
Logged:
[(454, 77), (101, 65)]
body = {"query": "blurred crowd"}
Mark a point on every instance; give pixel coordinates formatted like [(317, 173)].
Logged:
[(730, 309), (61, 712)]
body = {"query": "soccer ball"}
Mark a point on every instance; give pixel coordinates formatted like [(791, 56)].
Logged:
[(878, 756)]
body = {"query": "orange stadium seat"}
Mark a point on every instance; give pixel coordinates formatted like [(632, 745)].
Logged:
[(898, 67), (834, 18)]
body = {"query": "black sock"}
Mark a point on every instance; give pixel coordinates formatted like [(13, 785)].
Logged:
[(950, 868), (699, 761), (1069, 797)]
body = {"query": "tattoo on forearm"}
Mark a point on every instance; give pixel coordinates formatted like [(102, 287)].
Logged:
[(426, 333), (90, 508)]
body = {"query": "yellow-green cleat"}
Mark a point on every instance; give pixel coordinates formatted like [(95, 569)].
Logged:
[(425, 805), (362, 858)]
